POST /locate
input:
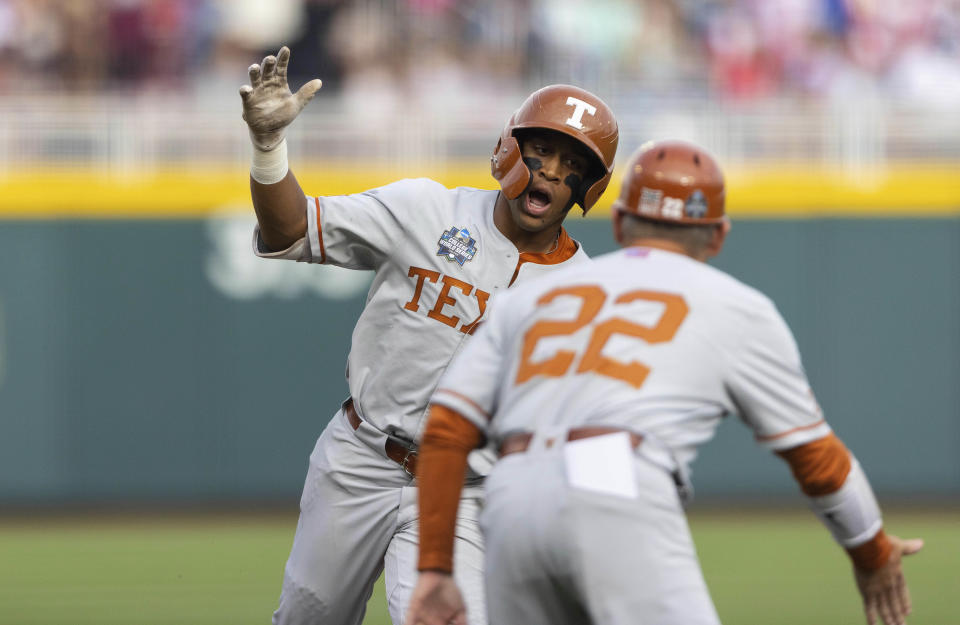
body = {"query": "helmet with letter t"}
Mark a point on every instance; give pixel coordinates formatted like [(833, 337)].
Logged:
[(568, 110)]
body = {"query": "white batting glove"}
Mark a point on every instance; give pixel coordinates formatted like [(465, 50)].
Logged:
[(268, 105)]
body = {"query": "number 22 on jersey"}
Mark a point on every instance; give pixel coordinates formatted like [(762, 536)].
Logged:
[(592, 299)]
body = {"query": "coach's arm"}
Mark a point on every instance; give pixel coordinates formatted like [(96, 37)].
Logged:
[(441, 467), (843, 500)]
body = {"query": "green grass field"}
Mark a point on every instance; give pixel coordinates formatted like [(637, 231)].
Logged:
[(762, 568)]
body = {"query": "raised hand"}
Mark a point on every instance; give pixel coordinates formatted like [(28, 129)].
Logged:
[(268, 104)]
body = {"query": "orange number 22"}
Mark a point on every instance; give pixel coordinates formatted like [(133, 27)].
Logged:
[(592, 300)]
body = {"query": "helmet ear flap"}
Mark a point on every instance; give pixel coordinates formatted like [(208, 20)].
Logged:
[(593, 193), (507, 166)]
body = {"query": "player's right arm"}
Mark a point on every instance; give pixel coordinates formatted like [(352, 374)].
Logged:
[(268, 108), (459, 412), (840, 495), (441, 468), (771, 390)]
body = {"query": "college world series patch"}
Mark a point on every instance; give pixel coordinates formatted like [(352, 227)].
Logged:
[(457, 245)]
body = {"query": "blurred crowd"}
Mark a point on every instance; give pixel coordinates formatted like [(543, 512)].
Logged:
[(382, 51)]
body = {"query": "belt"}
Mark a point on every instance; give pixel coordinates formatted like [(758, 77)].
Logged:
[(396, 451), (516, 443)]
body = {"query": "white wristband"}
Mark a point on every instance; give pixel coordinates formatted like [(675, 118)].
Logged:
[(851, 514), (270, 167)]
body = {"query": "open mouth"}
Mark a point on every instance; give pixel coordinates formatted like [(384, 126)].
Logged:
[(538, 201)]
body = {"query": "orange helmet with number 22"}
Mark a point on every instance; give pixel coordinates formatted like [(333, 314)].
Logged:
[(673, 181)]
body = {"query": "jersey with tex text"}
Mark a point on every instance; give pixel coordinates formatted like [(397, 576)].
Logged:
[(438, 260)]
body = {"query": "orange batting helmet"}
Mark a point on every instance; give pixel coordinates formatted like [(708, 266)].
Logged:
[(566, 109), (673, 181)]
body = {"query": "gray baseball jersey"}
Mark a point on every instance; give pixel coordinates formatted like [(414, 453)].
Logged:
[(438, 260), (643, 339)]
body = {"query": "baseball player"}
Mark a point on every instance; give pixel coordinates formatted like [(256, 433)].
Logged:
[(439, 255), (597, 383)]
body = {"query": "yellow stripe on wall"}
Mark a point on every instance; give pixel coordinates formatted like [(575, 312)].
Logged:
[(780, 191), (905, 190)]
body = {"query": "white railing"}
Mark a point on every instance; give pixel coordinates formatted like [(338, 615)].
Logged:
[(121, 134)]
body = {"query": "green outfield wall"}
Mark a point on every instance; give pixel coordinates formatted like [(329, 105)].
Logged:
[(145, 360)]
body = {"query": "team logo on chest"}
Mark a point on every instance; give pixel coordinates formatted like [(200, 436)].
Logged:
[(457, 245)]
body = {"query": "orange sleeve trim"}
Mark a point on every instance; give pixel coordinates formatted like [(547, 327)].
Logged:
[(441, 467), (821, 466), (323, 251), (788, 432), (873, 554), (468, 400)]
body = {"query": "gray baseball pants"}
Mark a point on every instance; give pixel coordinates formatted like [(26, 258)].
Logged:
[(558, 555), (358, 519)]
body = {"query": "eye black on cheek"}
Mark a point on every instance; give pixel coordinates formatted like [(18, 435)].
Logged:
[(577, 192), (533, 163)]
